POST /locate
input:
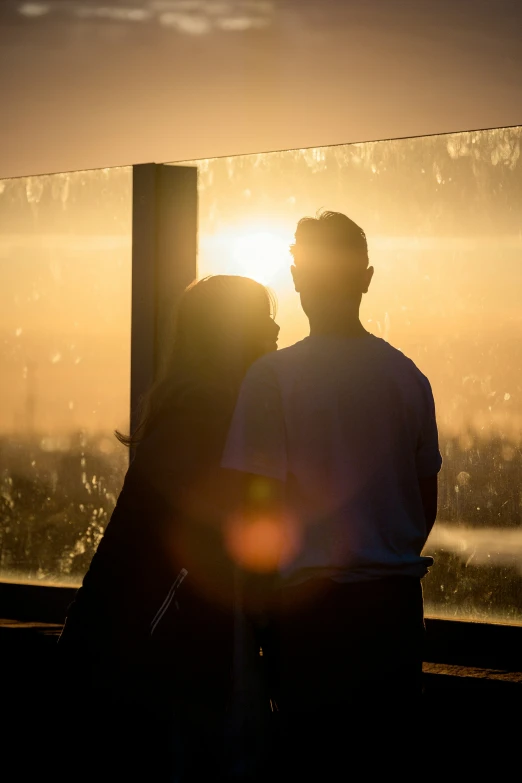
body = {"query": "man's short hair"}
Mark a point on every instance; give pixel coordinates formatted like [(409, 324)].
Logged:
[(334, 231)]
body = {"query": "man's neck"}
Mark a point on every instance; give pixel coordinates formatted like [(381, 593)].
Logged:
[(344, 324)]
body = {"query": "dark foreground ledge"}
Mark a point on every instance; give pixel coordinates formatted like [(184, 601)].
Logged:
[(469, 711), (27, 650), (468, 644), (473, 671)]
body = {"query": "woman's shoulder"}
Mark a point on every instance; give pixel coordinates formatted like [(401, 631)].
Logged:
[(194, 417), (201, 404), (204, 397)]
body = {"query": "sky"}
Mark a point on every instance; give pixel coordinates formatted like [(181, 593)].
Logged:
[(98, 83)]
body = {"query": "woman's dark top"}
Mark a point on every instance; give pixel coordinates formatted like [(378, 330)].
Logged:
[(141, 630)]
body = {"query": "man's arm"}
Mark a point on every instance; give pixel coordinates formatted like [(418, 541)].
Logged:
[(428, 458), (256, 443), (429, 493), (255, 459)]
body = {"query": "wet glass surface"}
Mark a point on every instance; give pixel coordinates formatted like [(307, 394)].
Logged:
[(65, 308), (443, 217)]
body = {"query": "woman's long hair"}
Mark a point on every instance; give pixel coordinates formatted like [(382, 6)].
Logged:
[(214, 342)]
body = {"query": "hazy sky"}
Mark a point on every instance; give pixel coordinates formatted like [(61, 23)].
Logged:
[(94, 83)]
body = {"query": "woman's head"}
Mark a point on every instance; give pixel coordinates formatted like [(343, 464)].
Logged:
[(223, 321), (223, 324)]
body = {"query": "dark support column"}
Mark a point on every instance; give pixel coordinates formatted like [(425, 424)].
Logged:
[(144, 221), (164, 251)]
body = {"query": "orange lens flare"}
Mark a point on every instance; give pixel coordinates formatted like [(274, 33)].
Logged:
[(262, 545)]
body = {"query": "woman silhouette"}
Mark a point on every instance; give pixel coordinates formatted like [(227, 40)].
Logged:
[(151, 627)]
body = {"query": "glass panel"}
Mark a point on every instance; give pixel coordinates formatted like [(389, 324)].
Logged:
[(443, 215), (65, 307)]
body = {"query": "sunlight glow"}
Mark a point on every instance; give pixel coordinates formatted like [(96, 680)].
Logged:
[(254, 252), (260, 255)]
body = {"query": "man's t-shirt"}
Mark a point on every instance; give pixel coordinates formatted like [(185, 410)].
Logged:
[(349, 425)]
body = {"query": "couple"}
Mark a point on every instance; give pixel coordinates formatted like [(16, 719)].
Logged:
[(304, 480)]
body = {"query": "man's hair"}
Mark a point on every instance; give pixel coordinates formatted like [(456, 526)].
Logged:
[(331, 230)]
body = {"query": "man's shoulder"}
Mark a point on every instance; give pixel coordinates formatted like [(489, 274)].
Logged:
[(286, 354), (392, 354), (278, 364), (274, 361), (404, 364)]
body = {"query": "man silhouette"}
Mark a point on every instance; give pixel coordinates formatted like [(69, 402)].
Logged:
[(337, 439)]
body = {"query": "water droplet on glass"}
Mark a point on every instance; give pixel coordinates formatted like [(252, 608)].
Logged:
[(34, 189)]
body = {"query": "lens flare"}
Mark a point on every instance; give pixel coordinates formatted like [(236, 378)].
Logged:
[(264, 544)]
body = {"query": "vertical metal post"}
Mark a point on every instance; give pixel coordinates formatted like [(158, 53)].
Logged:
[(164, 253), (177, 244)]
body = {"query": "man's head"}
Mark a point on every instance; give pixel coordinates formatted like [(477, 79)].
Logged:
[(331, 265)]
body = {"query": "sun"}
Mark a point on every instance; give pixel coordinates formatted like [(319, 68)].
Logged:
[(253, 252), (261, 255)]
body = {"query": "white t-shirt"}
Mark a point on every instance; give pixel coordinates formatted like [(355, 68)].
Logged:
[(349, 425)]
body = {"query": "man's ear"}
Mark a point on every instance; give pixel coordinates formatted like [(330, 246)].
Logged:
[(367, 279), (295, 277)]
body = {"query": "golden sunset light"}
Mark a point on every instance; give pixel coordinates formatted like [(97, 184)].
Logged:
[(259, 251)]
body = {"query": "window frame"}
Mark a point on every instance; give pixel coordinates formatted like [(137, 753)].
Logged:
[(164, 262)]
